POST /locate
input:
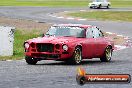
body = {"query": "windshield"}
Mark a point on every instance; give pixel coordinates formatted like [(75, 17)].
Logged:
[(66, 31)]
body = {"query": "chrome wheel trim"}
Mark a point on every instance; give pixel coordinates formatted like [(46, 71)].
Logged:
[(108, 53), (77, 57)]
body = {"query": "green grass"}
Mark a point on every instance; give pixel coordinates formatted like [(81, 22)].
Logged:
[(121, 3), (105, 15), (19, 38), (64, 3)]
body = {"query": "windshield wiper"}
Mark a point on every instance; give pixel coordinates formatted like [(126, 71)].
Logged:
[(49, 35), (68, 36)]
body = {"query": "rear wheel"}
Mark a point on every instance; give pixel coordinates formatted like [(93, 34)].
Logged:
[(30, 60), (108, 6), (107, 55)]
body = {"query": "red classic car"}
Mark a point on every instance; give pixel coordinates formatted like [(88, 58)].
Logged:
[(71, 43)]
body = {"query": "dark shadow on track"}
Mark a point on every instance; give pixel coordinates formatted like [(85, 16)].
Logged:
[(83, 63), (100, 8)]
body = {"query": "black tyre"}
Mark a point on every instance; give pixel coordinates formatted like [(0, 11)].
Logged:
[(107, 55), (90, 7), (77, 56), (99, 6), (30, 60), (108, 6)]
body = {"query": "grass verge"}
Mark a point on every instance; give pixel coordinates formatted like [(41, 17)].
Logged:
[(25, 30), (64, 3), (19, 38), (105, 15)]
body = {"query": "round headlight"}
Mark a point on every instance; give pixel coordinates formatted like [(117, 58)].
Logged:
[(65, 47), (26, 45)]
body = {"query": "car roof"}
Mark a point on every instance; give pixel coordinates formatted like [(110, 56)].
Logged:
[(73, 25)]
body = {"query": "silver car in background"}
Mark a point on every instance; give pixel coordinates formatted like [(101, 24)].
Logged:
[(99, 4)]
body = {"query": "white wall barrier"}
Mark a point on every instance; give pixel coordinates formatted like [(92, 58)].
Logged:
[(6, 40)]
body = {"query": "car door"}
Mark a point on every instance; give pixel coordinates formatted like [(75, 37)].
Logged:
[(99, 42), (102, 2), (88, 44), (105, 3)]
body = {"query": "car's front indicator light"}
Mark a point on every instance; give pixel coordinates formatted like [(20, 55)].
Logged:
[(57, 46), (26, 45), (32, 45), (65, 47)]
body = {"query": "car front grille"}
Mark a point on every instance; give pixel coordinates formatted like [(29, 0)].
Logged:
[(45, 47)]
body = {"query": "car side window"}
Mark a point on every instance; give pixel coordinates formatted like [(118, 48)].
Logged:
[(89, 33), (97, 32)]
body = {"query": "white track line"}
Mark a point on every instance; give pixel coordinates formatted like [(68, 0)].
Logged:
[(9, 60), (83, 10), (70, 18), (109, 32), (60, 17), (120, 35), (82, 19)]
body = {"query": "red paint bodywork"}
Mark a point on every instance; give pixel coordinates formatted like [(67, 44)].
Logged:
[(91, 47)]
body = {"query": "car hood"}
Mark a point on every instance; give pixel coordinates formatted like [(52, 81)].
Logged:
[(54, 40), (95, 3)]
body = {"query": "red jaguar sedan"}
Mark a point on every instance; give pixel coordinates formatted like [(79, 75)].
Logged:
[(71, 43)]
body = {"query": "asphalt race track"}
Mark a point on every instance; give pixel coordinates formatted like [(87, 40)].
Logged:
[(52, 74)]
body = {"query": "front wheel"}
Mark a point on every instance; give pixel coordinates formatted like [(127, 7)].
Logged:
[(30, 60), (77, 56), (99, 6), (107, 55)]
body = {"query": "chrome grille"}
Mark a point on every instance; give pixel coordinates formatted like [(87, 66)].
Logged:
[(45, 47)]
